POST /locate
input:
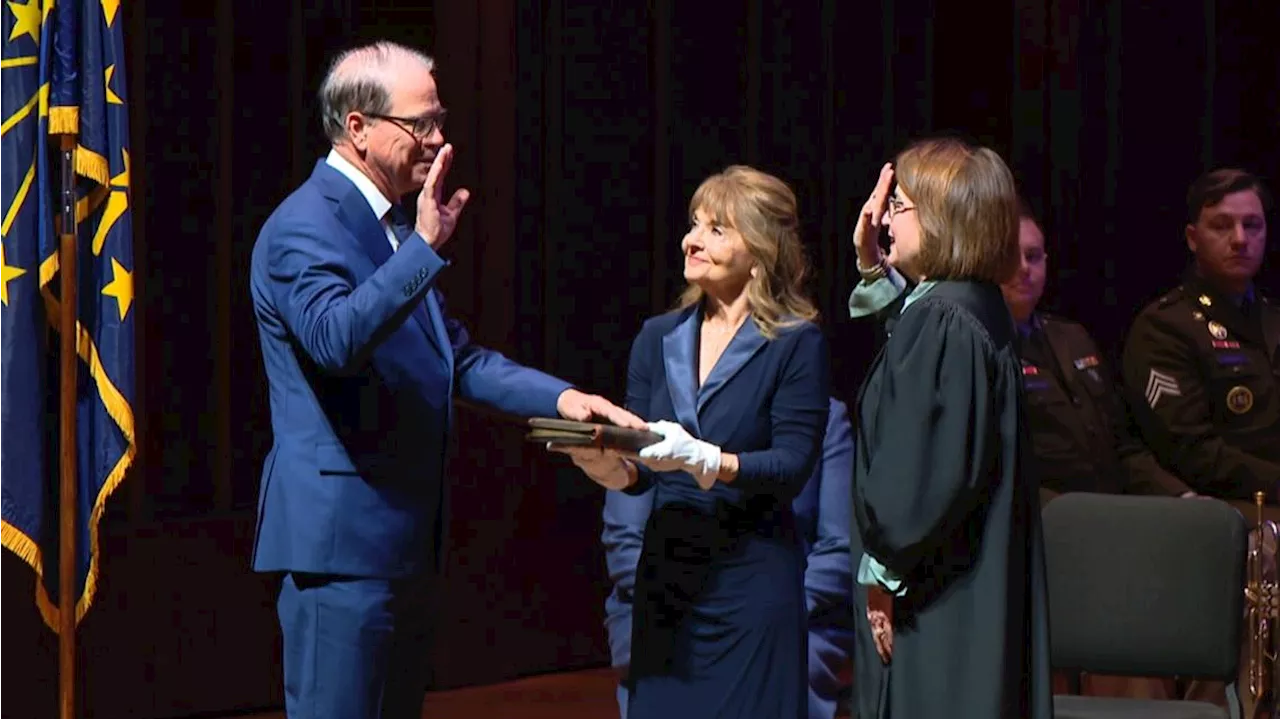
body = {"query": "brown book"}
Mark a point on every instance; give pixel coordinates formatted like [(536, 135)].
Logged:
[(589, 434)]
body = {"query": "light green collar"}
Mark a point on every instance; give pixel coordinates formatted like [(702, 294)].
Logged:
[(921, 290)]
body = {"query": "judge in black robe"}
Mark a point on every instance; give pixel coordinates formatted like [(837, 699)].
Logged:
[(943, 501)]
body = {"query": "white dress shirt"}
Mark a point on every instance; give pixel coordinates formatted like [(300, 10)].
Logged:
[(377, 202)]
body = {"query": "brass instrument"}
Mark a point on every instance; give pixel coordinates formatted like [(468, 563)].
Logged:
[(1262, 617)]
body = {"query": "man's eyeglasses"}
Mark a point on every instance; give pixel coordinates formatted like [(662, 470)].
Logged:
[(419, 127)]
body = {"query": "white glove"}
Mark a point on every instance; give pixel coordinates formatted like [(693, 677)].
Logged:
[(678, 450)]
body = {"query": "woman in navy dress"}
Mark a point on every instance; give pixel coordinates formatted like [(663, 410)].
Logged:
[(736, 381)]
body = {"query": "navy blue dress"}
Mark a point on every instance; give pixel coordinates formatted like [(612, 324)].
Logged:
[(719, 625)]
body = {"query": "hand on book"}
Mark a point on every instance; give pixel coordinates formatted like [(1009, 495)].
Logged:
[(582, 407), (605, 467)]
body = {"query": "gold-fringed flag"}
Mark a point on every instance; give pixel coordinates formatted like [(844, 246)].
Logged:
[(64, 74)]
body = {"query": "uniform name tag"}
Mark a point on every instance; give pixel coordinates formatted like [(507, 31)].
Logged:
[(1226, 345), (1087, 362)]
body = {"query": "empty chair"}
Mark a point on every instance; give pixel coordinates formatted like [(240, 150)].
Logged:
[(1145, 586)]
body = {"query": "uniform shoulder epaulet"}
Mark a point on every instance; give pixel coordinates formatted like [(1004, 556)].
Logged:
[(1171, 297), (1052, 319)]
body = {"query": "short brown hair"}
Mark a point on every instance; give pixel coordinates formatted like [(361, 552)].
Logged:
[(967, 205), (1211, 187), (762, 208)]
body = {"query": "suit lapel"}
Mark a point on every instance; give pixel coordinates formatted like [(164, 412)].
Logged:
[(355, 214), (678, 358), (744, 345)]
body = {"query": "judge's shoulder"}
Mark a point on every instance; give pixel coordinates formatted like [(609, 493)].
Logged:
[(975, 305)]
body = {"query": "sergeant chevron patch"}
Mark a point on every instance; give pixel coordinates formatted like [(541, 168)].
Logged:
[(1160, 384)]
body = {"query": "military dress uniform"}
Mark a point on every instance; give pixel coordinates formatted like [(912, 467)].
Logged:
[(1203, 373), (1080, 429)]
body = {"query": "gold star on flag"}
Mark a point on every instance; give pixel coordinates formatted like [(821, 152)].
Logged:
[(112, 97), (27, 18), (120, 287), (109, 8), (7, 273)]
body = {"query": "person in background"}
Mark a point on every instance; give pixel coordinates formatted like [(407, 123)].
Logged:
[(1202, 362), (1080, 426)]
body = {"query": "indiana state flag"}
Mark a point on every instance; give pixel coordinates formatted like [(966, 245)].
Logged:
[(27, 477), (64, 74)]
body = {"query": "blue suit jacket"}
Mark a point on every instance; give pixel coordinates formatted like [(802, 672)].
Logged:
[(362, 363)]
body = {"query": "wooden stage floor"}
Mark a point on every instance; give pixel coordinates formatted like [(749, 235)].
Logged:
[(587, 694)]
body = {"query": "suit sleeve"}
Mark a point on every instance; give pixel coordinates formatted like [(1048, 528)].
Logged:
[(798, 414), (1176, 418), (624, 521), (936, 438), (493, 379), (337, 322), (640, 368), (828, 579)]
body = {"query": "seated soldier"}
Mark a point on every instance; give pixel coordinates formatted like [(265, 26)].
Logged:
[(1202, 362), (823, 520), (1079, 423)]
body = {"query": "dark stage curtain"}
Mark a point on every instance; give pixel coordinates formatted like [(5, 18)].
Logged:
[(583, 129)]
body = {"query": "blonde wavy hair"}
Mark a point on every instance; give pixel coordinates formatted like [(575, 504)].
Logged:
[(967, 205), (763, 209)]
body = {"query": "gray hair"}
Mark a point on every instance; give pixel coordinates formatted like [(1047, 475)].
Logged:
[(356, 82)]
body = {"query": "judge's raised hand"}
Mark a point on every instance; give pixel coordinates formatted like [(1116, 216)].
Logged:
[(606, 468), (437, 220), (582, 407), (681, 451), (866, 234)]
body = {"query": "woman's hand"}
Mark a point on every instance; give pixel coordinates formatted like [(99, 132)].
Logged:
[(880, 617), (605, 467), (866, 234), (882, 631), (680, 451)]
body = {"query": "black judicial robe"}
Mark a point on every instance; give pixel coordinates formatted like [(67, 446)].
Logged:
[(944, 500)]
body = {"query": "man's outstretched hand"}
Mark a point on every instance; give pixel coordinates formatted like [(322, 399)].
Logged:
[(582, 407)]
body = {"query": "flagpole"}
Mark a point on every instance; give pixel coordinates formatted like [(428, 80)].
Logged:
[(67, 465)]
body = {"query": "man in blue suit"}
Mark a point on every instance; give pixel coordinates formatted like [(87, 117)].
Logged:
[(362, 364), (824, 522)]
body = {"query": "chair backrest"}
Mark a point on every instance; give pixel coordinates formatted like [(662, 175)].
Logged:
[(1146, 586)]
